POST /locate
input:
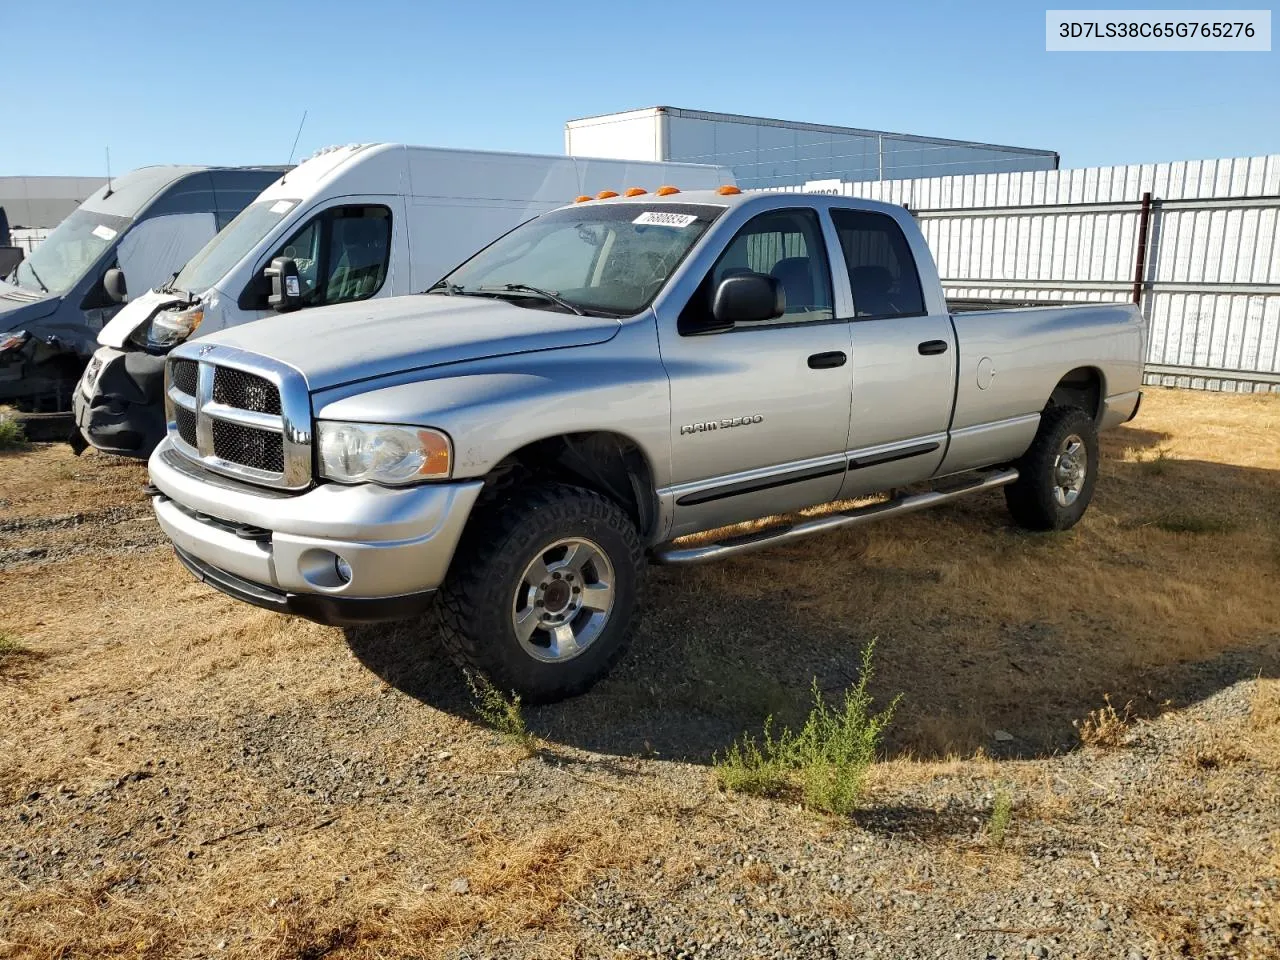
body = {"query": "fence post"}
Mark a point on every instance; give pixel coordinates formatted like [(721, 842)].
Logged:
[(1140, 268)]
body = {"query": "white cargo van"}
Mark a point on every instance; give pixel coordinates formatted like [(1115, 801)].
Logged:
[(350, 223)]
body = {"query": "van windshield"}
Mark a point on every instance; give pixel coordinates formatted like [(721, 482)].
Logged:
[(232, 244), (61, 259), (607, 259)]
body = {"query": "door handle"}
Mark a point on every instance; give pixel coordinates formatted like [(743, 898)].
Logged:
[(932, 347), (823, 361)]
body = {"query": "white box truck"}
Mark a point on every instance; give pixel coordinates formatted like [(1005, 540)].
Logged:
[(350, 223)]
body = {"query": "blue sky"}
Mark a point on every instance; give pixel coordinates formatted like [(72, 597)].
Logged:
[(227, 82)]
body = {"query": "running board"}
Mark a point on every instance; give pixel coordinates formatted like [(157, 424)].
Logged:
[(772, 536)]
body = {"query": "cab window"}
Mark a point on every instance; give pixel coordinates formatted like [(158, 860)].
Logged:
[(784, 244), (882, 272)]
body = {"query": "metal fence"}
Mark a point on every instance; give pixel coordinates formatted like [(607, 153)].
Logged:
[(26, 238), (1195, 243)]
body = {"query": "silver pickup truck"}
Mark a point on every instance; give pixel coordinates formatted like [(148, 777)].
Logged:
[(511, 448)]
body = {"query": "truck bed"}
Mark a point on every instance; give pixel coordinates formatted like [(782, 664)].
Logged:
[(977, 304)]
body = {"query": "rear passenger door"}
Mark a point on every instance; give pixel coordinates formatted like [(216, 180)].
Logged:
[(904, 359)]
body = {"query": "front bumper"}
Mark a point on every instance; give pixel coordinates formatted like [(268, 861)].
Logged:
[(334, 611), (119, 402), (279, 550)]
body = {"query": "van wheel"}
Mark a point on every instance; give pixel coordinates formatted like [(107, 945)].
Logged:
[(541, 594), (1057, 474)]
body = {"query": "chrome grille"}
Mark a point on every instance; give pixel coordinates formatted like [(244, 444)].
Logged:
[(239, 414), (184, 373), (259, 449), (246, 391), (186, 421)]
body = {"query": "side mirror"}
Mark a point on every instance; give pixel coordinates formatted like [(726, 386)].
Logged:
[(113, 285), (748, 298), (286, 285)]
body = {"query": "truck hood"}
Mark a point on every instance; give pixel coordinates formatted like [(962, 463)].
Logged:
[(335, 345)]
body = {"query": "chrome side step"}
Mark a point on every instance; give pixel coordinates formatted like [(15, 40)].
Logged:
[(772, 536)]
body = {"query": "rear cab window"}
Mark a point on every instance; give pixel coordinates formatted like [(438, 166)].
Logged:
[(882, 272)]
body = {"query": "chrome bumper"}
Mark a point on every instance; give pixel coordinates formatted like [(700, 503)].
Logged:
[(395, 542)]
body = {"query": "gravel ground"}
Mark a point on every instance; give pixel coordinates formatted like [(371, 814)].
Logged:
[(1097, 874)]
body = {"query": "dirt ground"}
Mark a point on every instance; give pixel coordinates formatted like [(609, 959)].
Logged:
[(185, 776)]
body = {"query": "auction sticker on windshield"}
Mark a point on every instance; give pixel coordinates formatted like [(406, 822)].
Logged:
[(104, 233), (656, 218)]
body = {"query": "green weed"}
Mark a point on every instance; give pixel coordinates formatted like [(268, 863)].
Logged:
[(501, 713), (1001, 815), (1192, 523), (12, 436), (826, 762)]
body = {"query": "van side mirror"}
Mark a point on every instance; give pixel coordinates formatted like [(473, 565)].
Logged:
[(748, 298), (286, 285), (113, 285)]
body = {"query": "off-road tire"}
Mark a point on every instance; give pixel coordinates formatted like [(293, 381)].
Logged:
[(475, 602), (1031, 498)]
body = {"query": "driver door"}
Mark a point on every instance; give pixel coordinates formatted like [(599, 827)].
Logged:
[(760, 413)]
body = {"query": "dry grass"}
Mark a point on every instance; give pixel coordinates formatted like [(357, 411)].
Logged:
[(172, 734), (1106, 727)]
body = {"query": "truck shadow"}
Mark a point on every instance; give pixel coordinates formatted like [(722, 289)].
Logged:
[(996, 638)]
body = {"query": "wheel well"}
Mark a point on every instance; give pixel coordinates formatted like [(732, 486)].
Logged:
[(1081, 387), (608, 463)]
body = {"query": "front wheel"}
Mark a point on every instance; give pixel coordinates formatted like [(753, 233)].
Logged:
[(1057, 474), (541, 594)]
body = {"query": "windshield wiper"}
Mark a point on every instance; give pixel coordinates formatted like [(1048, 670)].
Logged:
[(446, 287), (34, 274), (167, 286), (545, 294)]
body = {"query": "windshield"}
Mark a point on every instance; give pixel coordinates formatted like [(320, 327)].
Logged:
[(608, 259), (231, 245), (60, 260)]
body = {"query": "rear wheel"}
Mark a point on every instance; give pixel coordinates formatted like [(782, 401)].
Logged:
[(1058, 473), (541, 594)]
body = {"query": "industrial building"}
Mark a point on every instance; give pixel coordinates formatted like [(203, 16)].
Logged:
[(43, 202), (781, 153)]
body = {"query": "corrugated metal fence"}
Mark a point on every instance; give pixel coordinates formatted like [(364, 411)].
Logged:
[(1209, 280)]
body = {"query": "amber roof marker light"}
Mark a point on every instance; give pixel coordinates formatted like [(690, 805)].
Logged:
[(606, 194), (635, 192), (582, 199), (666, 191), (728, 190)]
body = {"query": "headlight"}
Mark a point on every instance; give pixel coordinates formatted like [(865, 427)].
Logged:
[(378, 453), (13, 340), (170, 327)]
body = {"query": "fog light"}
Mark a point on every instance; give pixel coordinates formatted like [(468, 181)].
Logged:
[(343, 569)]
